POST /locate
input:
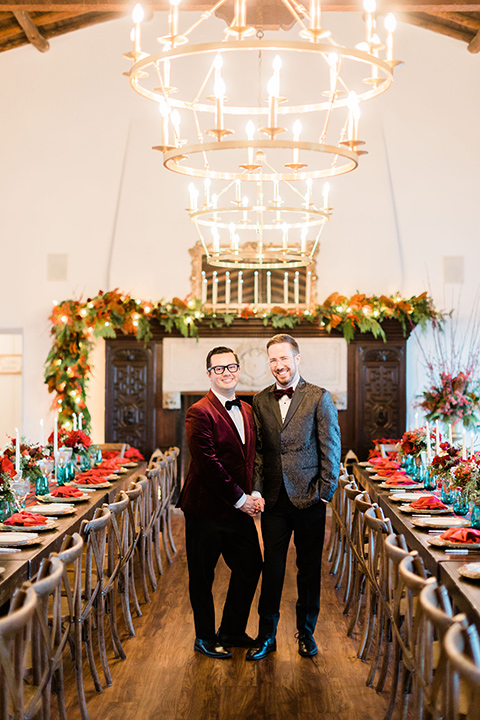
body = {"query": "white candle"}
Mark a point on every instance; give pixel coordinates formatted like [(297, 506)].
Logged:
[(240, 287), (464, 445), (416, 421), (227, 288), (80, 418), (269, 287), (308, 287), (255, 287), (450, 434), (74, 416), (471, 443), (296, 289), (437, 439), (17, 451), (214, 289), (55, 436), (429, 447), (204, 287), (42, 437), (285, 288)]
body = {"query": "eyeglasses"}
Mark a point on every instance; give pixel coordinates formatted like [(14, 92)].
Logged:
[(220, 369)]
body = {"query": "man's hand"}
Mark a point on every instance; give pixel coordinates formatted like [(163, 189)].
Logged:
[(260, 503), (252, 505)]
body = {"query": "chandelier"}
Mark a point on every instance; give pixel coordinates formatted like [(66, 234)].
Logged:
[(254, 107), (270, 226)]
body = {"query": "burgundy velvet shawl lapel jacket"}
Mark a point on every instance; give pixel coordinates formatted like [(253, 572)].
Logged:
[(221, 466), (303, 451)]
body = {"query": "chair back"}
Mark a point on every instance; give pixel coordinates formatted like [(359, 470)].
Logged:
[(13, 631), (155, 457), (462, 647)]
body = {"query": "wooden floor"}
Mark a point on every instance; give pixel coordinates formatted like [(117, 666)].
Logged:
[(163, 678)]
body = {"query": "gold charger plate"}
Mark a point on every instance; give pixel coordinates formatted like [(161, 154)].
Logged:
[(14, 543), (407, 497), (93, 486), (51, 508), (425, 511), (54, 499), (440, 522), (439, 542), (470, 571), (134, 464), (49, 525), (386, 486)]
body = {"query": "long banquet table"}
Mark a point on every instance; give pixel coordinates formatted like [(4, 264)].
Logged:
[(441, 563), (23, 564)]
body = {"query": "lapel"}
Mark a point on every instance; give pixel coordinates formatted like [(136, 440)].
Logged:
[(247, 427), (297, 399), (273, 404), (221, 409)]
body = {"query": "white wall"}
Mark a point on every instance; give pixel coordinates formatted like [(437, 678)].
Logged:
[(79, 177)]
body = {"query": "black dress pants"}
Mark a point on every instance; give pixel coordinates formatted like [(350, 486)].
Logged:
[(308, 528), (237, 540)]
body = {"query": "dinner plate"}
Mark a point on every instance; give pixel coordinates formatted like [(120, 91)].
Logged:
[(378, 477), (470, 571), (69, 500), (51, 508), (91, 486), (440, 522), (364, 464), (134, 464), (18, 539), (407, 497), (425, 511), (2, 570), (387, 486), (49, 525), (440, 542)]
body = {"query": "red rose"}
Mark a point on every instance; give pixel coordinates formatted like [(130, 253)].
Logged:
[(6, 466)]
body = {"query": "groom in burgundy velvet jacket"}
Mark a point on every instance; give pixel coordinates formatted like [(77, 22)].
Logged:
[(219, 508)]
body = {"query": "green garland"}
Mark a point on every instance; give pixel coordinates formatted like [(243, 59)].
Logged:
[(75, 324)]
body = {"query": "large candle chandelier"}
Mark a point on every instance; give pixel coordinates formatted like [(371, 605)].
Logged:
[(264, 226), (252, 106)]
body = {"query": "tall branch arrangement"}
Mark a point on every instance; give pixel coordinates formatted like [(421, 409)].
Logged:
[(76, 323)]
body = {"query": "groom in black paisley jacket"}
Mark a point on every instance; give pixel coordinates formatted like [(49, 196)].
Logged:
[(296, 471)]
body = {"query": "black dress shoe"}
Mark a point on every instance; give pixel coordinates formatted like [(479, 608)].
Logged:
[(261, 648), (227, 640), (212, 649), (307, 647)]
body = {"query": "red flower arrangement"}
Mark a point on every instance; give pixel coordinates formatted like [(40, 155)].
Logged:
[(7, 473), (413, 442), (453, 398), (76, 439), (30, 455), (466, 476)]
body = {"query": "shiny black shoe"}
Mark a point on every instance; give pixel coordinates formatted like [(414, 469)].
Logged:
[(261, 648), (212, 649), (242, 641), (307, 647)]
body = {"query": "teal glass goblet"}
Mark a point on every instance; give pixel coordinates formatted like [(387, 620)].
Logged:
[(475, 521), (461, 505)]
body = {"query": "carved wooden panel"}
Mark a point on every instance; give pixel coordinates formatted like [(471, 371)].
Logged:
[(130, 386), (380, 386)]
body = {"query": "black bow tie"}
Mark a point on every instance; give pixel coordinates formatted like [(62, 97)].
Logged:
[(232, 403), (280, 392)]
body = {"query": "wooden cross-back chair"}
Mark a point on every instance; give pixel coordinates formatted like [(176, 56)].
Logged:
[(14, 628), (462, 647), (94, 534), (145, 544), (155, 457), (70, 555), (362, 503), (172, 467), (159, 495), (134, 531), (47, 643)]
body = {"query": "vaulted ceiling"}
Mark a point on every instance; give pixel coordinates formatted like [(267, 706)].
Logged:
[(37, 22)]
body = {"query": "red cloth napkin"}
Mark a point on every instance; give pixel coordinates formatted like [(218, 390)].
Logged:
[(108, 465), (461, 535), (87, 479), (98, 471), (386, 472), (26, 519), (134, 454), (66, 491), (428, 502), (399, 479), (387, 464)]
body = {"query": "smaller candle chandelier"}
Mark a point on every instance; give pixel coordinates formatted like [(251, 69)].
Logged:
[(231, 106), (279, 228)]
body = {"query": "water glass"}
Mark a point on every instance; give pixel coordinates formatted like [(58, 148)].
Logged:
[(461, 506), (21, 488), (446, 494), (41, 485), (429, 480), (475, 523)]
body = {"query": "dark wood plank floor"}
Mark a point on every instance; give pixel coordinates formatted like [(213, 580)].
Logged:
[(163, 678)]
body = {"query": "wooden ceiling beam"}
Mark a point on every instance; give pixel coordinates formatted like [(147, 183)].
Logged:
[(428, 23), (31, 31), (468, 21), (474, 45), (84, 6)]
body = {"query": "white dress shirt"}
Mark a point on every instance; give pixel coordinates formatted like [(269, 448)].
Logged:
[(284, 402), (237, 417)]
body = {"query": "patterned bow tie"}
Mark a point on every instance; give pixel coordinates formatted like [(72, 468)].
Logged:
[(232, 403), (281, 392)]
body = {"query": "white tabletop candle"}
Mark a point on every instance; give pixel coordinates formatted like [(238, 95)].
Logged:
[(416, 421), (450, 434), (464, 445), (42, 437), (80, 418), (17, 451), (429, 447), (55, 436), (74, 416), (437, 439)]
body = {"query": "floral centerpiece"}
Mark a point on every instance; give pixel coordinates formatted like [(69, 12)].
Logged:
[(442, 464), (414, 442), (7, 497), (30, 456), (452, 399), (466, 477)]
